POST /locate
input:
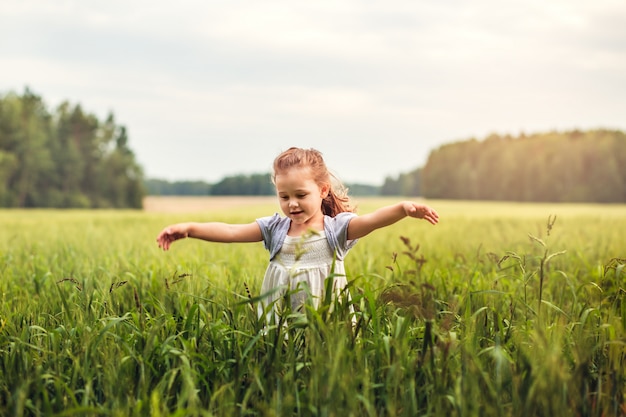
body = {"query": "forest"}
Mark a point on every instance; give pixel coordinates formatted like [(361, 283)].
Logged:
[(66, 158), (574, 166)]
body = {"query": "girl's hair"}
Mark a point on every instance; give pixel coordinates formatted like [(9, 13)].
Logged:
[(337, 200)]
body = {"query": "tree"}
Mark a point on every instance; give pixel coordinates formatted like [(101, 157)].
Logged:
[(255, 184), (26, 131), (570, 166), (65, 159)]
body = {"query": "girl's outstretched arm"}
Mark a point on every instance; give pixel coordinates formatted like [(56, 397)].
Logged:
[(212, 232), (385, 216)]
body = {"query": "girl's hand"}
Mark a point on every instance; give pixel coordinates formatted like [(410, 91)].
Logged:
[(171, 234), (421, 211)]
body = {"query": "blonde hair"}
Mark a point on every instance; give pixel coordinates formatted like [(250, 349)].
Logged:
[(337, 200)]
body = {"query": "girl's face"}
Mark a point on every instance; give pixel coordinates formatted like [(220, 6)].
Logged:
[(301, 198)]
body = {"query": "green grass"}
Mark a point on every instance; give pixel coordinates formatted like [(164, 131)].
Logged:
[(493, 312)]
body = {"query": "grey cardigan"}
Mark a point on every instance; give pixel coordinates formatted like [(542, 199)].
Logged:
[(274, 229)]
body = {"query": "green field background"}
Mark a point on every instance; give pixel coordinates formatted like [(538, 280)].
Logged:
[(501, 309)]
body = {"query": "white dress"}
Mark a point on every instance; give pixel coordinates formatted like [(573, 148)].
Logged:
[(302, 264)]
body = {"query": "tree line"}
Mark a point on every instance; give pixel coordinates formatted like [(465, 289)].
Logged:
[(572, 166), (64, 158), (69, 158), (253, 184)]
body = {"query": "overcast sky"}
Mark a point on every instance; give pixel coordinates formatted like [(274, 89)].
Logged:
[(214, 88)]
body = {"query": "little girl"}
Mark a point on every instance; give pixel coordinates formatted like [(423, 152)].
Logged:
[(313, 238)]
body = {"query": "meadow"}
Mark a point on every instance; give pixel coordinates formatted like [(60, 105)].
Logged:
[(503, 309)]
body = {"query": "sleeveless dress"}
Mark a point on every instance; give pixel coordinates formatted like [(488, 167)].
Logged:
[(302, 264)]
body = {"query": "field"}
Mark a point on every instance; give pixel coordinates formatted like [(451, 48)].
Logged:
[(500, 310)]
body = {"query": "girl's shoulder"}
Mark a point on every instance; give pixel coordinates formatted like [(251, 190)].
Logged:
[(273, 229), (336, 229), (340, 219), (276, 221), (338, 223)]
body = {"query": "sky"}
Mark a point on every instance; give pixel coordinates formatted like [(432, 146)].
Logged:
[(211, 88)]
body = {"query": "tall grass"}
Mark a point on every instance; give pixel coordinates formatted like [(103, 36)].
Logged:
[(497, 311)]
